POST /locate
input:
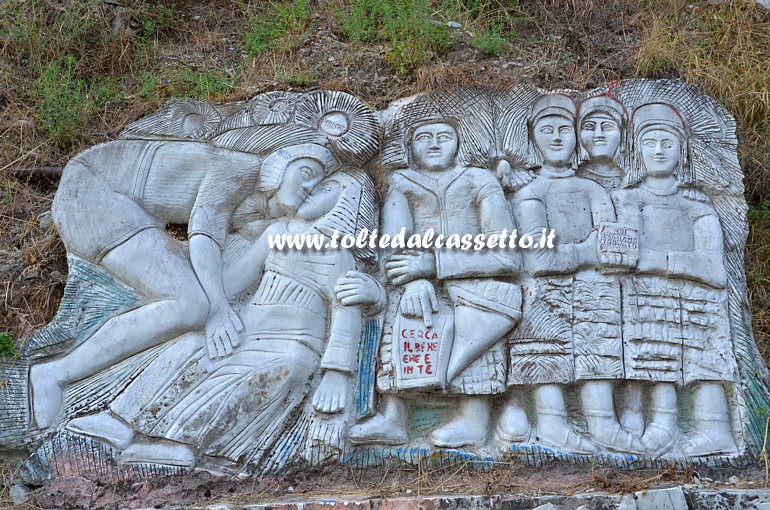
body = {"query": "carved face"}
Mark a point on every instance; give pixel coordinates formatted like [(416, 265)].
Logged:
[(322, 199), (299, 178), (434, 146), (661, 151), (555, 138), (600, 135)]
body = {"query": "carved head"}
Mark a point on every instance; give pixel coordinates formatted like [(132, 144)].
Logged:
[(602, 124), (661, 145), (343, 202), (552, 131), (288, 175), (434, 145)]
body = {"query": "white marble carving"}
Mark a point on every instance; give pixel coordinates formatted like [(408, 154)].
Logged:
[(627, 342)]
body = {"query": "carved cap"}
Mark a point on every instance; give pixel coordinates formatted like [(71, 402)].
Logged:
[(603, 104), (660, 116), (275, 164), (553, 104)]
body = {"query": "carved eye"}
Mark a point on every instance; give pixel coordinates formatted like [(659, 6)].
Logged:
[(423, 137), (444, 137), (608, 126), (649, 143), (308, 172), (565, 129), (589, 126), (546, 130), (667, 144)]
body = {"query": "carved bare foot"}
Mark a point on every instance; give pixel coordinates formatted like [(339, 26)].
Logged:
[(513, 424), (554, 431), (103, 427), (606, 432), (162, 452), (47, 395), (658, 439), (378, 430)]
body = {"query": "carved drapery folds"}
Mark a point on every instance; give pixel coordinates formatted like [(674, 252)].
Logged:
[(626, 342)]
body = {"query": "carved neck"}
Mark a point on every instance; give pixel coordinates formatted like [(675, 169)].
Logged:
[(556, 171), (667, 185)]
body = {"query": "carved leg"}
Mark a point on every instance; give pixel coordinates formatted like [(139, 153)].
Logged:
[(513, 424), (164, 452), (157, 268), (632, 418), (599, 411), (712, 434), (387, 427), (660, 434), (553, 429), (469, 428)]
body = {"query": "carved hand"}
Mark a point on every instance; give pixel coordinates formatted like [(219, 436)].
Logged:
[(512, 178), (618, 260), (222, 332), (419, 300), (357, 288), (405, 267), (332, 394)]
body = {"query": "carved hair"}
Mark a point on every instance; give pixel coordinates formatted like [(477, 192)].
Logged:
[(354, 211), (274, 166), (667, 118)]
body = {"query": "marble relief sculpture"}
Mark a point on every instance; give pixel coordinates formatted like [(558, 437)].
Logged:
[(627, 342)]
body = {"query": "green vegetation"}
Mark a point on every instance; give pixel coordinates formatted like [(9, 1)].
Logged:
[(7, 346), (406, 28), (272, 28)]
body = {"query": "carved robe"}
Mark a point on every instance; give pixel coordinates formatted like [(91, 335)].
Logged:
[(240, 406), (675, 311), (463, 200), (570, 327)]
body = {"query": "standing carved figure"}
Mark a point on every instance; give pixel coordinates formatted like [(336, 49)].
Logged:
[(675, 332), (437, 193), (571, 325)]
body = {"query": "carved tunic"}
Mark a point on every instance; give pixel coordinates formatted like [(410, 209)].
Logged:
[(571, 316), (674, 312), (239, 406), (464, 200)]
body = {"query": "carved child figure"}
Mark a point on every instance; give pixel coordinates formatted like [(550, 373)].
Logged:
[(571, 325), (437, 193), (675, 327)]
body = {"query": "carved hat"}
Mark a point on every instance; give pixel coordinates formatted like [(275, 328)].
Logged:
[(659, 116), (275, 164), (553, 104)]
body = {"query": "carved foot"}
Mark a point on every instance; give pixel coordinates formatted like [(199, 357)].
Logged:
[(553, 431), (702, 444), (47, 396), (103, 427), (462, 431), (165, 453), (378, 430), (513, 425), (607, 433), (658, 439)]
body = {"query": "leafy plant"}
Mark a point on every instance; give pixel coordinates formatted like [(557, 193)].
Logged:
[(7, 346), (492, 42), (62, 100)]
